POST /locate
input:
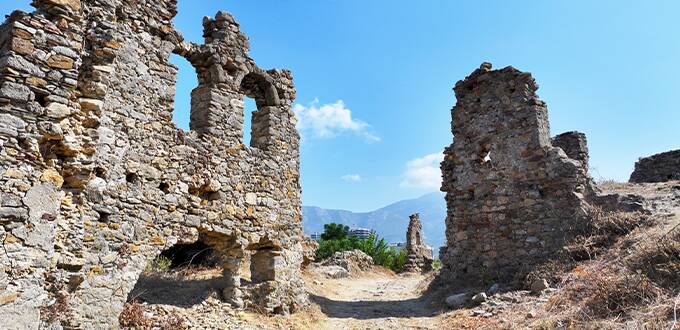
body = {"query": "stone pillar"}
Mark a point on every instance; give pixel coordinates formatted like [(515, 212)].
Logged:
[(419, 256), (231, 273)]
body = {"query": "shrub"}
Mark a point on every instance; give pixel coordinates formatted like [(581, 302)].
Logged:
[(160, 264), (436, 264), (335, 239)]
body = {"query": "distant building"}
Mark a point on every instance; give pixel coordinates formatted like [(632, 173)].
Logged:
[(397, 245), (360, 233), (315, 236)]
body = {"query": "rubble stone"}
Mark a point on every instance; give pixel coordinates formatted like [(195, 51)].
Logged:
[(456, 300), (354, 261)]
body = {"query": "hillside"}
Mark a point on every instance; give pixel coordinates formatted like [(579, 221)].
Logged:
[(390, 221)]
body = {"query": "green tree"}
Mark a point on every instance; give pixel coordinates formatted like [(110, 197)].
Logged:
[(334, 231), (336, 238)]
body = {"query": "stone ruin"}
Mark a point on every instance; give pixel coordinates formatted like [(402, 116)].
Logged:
[(657, 168), (512, 194), (418, 254), (97, 180)]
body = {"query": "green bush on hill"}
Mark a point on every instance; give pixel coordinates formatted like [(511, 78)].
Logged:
[(336, 238)]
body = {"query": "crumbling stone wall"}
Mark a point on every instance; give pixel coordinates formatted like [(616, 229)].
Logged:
[(657, 168), (575, 145), (512, 195), (96, 180), (418, 255)]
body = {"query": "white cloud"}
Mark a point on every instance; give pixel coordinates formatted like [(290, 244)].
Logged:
[(351, 178), (423, 172), (329, 120)]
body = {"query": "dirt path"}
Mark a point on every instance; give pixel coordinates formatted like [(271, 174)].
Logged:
[(375, 301)]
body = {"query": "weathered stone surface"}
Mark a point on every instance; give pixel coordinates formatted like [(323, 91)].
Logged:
[(538, 285), (512, 196), (91, 104), (574, 144), (479, 298), (16, 92), (334, 271), (657, 168), (418, 254), (96, 180), (354, 261), (60, 62), (73, 4), (456, 300)]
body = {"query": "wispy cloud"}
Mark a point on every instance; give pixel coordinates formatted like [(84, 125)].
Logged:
[(423, 172), (329, 120), (351, 178)]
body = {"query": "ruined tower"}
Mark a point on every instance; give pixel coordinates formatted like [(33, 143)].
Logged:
[(513, 196), (96, 180), (418, 254)]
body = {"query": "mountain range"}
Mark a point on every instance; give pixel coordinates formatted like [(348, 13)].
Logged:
[(389, 222)]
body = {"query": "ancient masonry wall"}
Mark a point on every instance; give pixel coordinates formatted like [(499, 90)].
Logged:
[(418, 255), (512, 195), (95, 179), (657, 168)]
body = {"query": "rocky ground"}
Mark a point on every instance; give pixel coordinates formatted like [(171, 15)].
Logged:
[(616, 287)]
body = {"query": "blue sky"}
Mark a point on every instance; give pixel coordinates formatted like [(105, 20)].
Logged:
[(374, 80)]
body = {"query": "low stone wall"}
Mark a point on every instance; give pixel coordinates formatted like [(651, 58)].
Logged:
[(657, 168)]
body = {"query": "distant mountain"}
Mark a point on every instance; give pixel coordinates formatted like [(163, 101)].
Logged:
[(390, 222)]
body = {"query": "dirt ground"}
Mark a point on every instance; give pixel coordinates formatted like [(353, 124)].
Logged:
[(374, 301)]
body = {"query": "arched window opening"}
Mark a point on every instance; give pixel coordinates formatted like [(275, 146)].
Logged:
[(258, 87), (186, 81)]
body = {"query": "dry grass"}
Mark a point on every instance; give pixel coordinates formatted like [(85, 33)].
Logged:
[(629, 278), (134, 317), (602, 231), (310, 317), (591, 240), (658, 257), (617, 295)]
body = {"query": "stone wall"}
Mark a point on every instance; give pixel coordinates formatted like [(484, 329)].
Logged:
[(418, 254), (657, 168), (512, 196), (96, 180)]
